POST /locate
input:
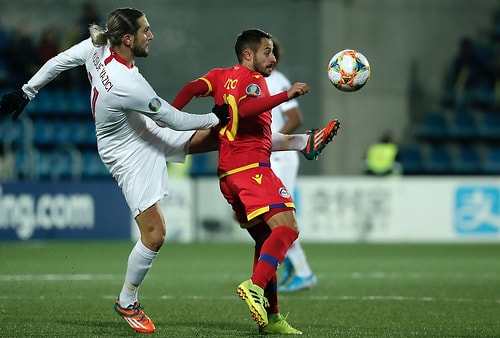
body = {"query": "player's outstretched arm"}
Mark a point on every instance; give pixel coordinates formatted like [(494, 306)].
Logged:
[(15, 102)]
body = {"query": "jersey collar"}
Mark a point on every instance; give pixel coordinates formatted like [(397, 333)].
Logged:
[(114, 55)]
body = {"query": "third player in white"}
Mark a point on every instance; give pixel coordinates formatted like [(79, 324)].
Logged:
[(297, 274)]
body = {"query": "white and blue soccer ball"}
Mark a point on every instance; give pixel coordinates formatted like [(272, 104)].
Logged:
[(348, 70)]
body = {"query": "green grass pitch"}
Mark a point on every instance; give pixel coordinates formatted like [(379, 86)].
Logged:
[(67, 289)]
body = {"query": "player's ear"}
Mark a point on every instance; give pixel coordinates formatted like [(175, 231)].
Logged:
[(127, 40), (247, 55)]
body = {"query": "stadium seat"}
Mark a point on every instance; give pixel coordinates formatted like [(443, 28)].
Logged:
[(468, 161), (45, 133), (491, 164), (463, 126), (58, 164), (489, 128), (439, 161), (24, 163), (15, 134), (434, 126), (411, 158), (92, 166), (80, 102)]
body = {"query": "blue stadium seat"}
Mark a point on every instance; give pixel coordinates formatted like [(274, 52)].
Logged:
[(43, 165), (434, 126), (23, 163), (468, 161), (83, 132), (491, 163), (439, 161), (93, 168), (14, 134), (57, 164), (45, 133), (489, 128), (80, 102), (411, 158), (463, 126)]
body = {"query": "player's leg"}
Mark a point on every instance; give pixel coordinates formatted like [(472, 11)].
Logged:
[(284, 232), (276, 322), (245, 194), (152, 229), (303, 277), (252, 294), (319, 138), (286, 166), (260, 232), (272, 253)]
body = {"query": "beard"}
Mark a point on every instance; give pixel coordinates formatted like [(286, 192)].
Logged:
[(140, 52), (262, 69)]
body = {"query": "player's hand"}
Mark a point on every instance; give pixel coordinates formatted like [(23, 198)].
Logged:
[(222, 112), (297, 90), (13, 103)]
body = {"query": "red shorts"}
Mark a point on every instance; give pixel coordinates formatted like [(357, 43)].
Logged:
[(256, 193)]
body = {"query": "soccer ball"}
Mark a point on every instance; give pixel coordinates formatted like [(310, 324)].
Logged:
[(348, 70)]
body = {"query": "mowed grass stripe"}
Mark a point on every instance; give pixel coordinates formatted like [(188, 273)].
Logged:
[(364, 290)]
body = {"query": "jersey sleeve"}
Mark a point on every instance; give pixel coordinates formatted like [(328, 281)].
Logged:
[(70, 58), (252, 103), (195, 88), (142, 98)]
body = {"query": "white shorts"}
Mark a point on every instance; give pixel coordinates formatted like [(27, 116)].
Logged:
[(142, 175)]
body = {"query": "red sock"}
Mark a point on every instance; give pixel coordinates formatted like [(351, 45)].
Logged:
[(272, 253), (271, 289)]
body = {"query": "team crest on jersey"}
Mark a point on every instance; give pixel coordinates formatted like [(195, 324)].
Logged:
[(154, 104), (284, 193), (253, 90)]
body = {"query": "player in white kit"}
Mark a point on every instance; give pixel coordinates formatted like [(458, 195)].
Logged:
[(131, 139), (138, 132), (297, 274)]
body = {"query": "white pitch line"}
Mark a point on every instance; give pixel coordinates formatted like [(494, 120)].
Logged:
[(304, 298), (337, 298), (55, 277)]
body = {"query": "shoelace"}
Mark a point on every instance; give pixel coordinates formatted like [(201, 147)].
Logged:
[(136, 309), (265, 302), (283, 321)]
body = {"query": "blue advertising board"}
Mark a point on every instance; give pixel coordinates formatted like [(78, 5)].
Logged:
[(43, 210)]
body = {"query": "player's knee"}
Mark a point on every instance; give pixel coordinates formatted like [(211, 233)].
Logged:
[(154, 240), (158, 240)]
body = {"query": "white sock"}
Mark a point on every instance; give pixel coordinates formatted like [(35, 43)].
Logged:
[(139, 263), (289, 142), (298, 259)]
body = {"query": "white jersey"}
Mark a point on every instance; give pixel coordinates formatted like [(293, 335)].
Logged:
[(126, 110), (284, 163)]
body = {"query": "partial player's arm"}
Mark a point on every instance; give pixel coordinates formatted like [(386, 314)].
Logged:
[(253, 104), (195, 88), (145, 101), (68, 59)]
